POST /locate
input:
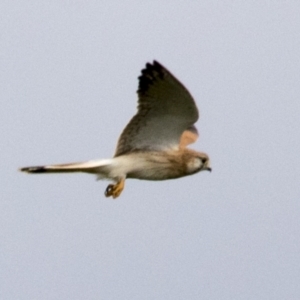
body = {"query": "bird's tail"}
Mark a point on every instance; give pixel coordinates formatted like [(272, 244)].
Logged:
[(93, 166)]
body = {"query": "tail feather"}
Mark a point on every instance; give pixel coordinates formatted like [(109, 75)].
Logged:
[(93, 166)]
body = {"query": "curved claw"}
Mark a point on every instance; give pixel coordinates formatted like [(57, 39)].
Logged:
[(115, 190), (108, 191)]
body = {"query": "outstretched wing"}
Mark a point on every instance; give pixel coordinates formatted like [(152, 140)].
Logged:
[(165, 110)]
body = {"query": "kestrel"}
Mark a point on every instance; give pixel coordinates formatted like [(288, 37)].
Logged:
[(153, 146)]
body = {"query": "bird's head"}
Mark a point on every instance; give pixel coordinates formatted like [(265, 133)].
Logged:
[(198, 162)]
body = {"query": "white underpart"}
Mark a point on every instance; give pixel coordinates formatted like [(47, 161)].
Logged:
[(115, 168), (120, 166)]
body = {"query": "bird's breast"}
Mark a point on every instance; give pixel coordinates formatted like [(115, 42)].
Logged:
[(152, 165)]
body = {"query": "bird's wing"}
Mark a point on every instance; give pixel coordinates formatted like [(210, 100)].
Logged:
[(165, 110), (189, 136)]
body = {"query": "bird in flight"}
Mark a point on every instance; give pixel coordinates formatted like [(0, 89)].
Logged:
[(153, 146)]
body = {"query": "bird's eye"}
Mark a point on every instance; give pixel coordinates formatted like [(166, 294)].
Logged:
[(204, 160)]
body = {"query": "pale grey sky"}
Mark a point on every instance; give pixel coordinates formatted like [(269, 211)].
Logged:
[(68, 78)]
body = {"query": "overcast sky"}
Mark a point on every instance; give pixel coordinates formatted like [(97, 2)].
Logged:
[(68, 78)]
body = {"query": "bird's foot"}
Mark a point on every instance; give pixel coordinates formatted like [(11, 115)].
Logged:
[(115, 190)]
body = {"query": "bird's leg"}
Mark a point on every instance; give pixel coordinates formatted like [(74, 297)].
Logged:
[(115, 190)]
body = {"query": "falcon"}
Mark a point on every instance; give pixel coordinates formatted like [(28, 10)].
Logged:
[(153, 146)]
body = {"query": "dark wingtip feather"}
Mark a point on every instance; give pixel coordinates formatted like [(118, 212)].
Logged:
[(149, 74), (39, 169)]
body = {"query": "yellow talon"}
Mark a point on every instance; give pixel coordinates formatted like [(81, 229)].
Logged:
[(115, 190)]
